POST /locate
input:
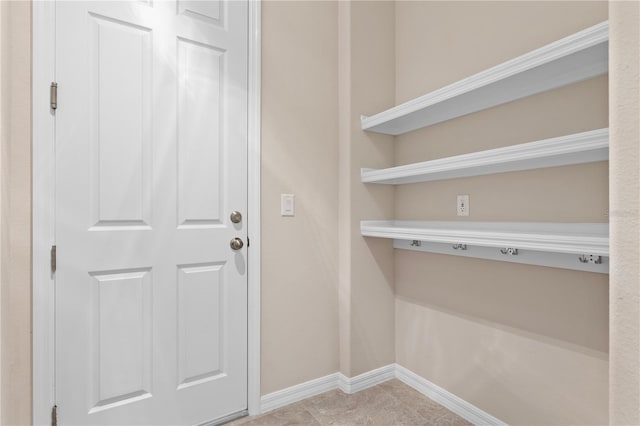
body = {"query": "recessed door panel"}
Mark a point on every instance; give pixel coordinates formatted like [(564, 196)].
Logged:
[(122, 336), (200, 319), (120, 121), (200, 71), (210, 11)]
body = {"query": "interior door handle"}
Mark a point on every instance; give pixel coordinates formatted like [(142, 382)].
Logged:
[(236, 243), (236, 216)]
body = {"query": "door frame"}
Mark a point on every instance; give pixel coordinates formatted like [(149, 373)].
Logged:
[(43, 210)]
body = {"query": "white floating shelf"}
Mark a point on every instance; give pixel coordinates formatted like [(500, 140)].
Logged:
[(560, 245), (578, 148), (577, 57), (577, 238)]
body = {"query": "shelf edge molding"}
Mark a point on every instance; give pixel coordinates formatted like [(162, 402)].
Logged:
[(570, 238), (578, 148), (575, 58)]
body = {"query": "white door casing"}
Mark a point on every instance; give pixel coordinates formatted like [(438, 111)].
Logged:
[(150, 160)]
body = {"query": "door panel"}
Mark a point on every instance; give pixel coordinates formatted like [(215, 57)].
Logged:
[(120, 66), (200, 337), (120, 146), (200, 69), (211, 11), (121, 336), (151, 145)]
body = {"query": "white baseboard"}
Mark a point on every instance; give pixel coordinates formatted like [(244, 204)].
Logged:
[(366, 380), (445, 398), (333, 381), (299, 392), (371, 378)]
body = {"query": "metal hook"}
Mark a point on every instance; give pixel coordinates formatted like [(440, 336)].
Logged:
[(590, 258), (509, 251), (459, 246)]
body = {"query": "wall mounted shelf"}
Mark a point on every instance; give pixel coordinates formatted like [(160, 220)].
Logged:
[(579, 246), (578, 148), (577, 57)]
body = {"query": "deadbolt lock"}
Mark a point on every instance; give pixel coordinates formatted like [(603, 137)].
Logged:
[(236, 216), (236, 243)]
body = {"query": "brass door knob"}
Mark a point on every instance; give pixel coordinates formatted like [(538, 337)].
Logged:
[(236, 243)]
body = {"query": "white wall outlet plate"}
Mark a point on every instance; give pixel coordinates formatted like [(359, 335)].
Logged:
[(463, 205), (287, 205)]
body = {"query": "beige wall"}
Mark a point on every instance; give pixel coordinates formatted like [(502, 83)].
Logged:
[(366, 265), (15, 214), (299, 156), (520, 377), (624, 71), (328, 300), (527, 344)]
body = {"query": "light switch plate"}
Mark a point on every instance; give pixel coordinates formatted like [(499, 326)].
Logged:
[(287, 205)]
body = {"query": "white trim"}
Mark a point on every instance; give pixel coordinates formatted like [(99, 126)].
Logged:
[(577, 148), (365, 380), (333, 381), (445, 398), (253, 206), (43, 27), (371, 378), (574, 58), (43, 212), (576, 238), (299, 392)]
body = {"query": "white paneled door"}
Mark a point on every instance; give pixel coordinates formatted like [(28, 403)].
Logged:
[(151, 160)]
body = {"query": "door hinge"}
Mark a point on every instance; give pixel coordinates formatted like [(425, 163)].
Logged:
[(54, 259), (54, 415), (248, 242), (53, 95)]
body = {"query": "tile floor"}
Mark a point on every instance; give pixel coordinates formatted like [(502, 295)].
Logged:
[(387, 404)]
